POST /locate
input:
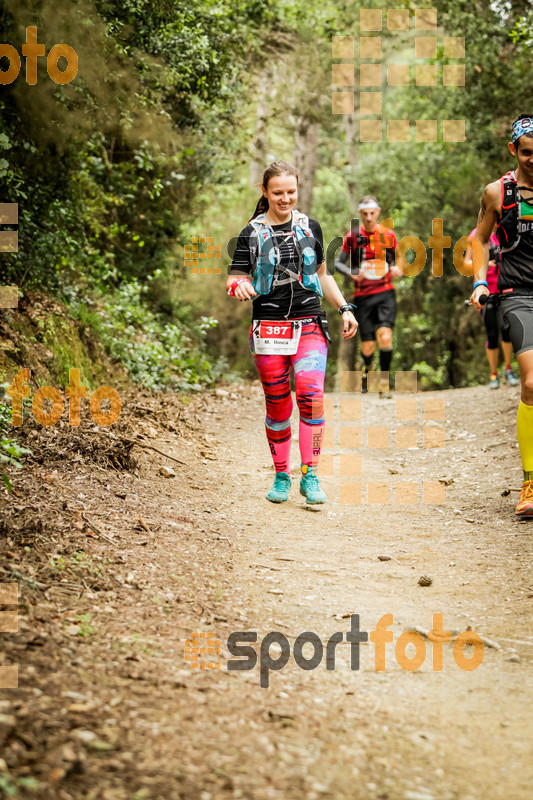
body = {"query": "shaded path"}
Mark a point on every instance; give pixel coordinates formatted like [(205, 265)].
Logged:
[(117, 714)]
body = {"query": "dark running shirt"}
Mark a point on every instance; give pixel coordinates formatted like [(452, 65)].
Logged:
[(368, 253), (289, 300), (516, 271)]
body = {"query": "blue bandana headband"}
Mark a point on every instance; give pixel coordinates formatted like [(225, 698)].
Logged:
[(520, 127)]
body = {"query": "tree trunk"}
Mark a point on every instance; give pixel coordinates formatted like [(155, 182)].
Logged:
[(305, 160), (352, 157), (347, 352), (258, 163)]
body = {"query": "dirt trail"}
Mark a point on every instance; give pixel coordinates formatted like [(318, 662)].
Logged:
[(116, 712)]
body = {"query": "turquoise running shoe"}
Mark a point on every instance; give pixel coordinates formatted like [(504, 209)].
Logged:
[(510, 377), (310, 487), (280, 488)]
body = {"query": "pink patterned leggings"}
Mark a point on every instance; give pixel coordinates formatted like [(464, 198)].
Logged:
[(309, 365)]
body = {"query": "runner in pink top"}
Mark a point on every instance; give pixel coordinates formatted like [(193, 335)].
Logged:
[(493, 319)]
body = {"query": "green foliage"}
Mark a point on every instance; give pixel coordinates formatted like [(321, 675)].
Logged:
[(157, 352), (10, 785), (522, 34), (150, 144), (417, 182), (430, 378), (148, 131), (11, 453), (111, 170), (85, 627)]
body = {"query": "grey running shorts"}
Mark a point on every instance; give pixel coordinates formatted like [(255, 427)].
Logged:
[(518, 315)]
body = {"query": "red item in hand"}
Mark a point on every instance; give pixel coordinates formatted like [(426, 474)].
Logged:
[(233, 286)]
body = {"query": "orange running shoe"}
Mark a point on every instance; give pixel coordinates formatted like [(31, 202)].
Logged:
[(525, 503)]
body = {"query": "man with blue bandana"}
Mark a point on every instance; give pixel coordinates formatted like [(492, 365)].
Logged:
[(508, 202)]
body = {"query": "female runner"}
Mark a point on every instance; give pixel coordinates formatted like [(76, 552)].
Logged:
[(279, 261), (493, 318)]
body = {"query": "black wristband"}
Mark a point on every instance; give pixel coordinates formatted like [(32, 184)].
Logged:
[(346, 307)]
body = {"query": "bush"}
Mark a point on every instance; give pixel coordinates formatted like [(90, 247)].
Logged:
[(11, 453), (157, 352)]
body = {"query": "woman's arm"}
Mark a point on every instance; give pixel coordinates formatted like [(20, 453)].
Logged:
[(239, 278), (333, 295)]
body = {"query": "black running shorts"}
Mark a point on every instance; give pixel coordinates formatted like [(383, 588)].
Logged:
[(375, 311), (493, 318), (518, 315)]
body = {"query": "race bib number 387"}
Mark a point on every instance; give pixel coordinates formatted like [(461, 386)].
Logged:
[(271, 330), (276, 338)]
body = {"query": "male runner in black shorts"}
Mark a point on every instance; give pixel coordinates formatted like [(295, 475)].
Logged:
[(372, 262), (509, 202)]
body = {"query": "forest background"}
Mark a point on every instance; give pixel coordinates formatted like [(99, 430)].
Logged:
[(164, 134)]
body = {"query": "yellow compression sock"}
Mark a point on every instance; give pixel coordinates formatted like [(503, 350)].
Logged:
[(524, 429)]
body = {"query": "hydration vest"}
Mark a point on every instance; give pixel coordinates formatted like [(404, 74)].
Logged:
[(266, 255), (508, 228)]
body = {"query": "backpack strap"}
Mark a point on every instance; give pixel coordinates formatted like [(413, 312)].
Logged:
[(264, 261), (303, 232), (302, 220), (508, 228), (508, 185), (261, 231)]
